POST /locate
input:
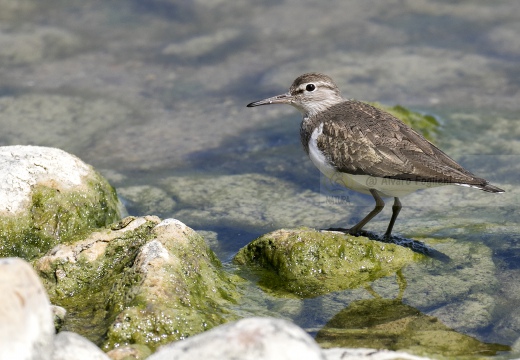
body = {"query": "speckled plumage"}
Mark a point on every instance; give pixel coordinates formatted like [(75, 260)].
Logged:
[(351, 142), (361, 139)]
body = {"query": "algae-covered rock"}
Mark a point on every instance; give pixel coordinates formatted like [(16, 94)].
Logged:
[(391, 324), (308, 263), (144, 282), (48, 196)]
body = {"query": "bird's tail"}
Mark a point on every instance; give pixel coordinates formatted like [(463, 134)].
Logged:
[(491, 188)]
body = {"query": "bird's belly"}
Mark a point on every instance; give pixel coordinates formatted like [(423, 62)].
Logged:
[(385, 187), (362, 183)]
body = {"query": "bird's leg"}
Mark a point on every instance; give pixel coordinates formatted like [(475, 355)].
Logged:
[(380, 204), (395, 211)]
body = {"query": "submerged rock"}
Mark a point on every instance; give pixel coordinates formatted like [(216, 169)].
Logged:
[(308, 263), (144, 282), (391, 324), (146, 199), (48, 196), (250, 201)]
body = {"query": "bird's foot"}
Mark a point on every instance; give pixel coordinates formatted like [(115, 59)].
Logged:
[(414, 245)]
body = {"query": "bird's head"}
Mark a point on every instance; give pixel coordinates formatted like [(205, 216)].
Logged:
[(310, 93)]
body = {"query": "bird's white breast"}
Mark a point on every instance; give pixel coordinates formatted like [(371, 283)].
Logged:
[(361, 183), (317, 157)]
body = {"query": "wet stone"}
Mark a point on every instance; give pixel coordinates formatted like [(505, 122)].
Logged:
[(250, 201), (309, 263), (146, 199), (49, 196), (143, 282), (391, 324)]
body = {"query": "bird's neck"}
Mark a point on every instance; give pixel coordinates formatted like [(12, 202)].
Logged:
[(311, 109)]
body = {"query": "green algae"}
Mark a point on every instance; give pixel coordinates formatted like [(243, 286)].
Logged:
[(55, 217), (194, 297), (427, 125), (139, 284), (390, 324), (308, 263), (83, 285)]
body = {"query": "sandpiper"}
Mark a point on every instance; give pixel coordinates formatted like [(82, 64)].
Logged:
[(367, 149)]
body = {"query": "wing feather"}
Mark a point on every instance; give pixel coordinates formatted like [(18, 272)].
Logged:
[(364, 140)]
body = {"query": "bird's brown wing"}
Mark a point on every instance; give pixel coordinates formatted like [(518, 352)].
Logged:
[(361, 139)]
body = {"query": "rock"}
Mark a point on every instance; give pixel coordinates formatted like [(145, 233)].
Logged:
[(391, 324), (250, 200), (251, 338), (130, 352), (58, 314), (46, 197), (368, 354), (461, 292), (144, 282), (71, 346), (503, 39), (508, 327), (146, 199), (308, 263), (26, 326), (204, 45), (33, 119), (181, 290)]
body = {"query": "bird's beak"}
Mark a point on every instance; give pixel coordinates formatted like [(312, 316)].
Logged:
[(278, 99)]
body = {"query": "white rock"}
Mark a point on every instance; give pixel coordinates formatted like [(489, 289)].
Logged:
[(367, 354), (71, 346), (26, 326), (31, 165), (246, 339)]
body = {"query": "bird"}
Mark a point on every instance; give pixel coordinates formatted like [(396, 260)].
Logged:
[(366, 149)]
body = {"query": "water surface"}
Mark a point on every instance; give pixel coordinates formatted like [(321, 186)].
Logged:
[(153, 94)]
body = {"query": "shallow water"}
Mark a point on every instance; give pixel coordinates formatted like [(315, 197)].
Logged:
[(153, 93)]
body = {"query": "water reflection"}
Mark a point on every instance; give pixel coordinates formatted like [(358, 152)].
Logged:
[(391, 324)]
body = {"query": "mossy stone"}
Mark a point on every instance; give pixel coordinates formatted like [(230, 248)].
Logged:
[(142, 282), (391, 324), (56, 217), (309, 263), (49, 196)]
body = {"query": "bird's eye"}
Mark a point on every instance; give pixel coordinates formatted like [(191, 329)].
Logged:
[(310, 87)]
